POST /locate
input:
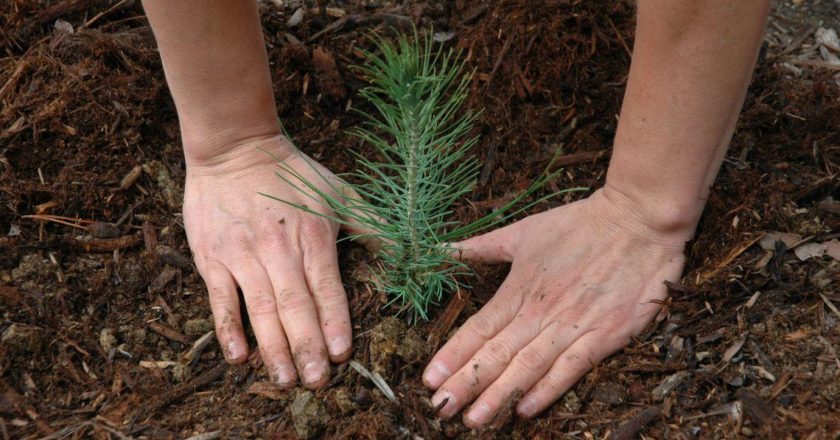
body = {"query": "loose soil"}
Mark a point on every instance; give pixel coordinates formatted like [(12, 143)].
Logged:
[(98, 323)]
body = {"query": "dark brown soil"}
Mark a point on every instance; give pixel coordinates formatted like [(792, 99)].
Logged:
[(96, 322)]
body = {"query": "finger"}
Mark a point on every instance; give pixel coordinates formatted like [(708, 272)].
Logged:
[(300, 319), (484, 367), (524, 370), (572, 364), (493, 247), (368, 236), (479, 328), (262, 309), (224, 302), (324, 281)]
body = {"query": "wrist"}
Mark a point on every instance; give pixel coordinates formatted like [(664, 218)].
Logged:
[(665, 216), (237, 153)]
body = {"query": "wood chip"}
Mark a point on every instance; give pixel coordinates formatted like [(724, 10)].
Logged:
[(198, 347), (168, 332), (268, 389), (104, 230), (755, 407), (173, 258), (168, 274), (183, 390), (734, 348), (444, 324), (732, 255), (753, 299), (129, 179), (157, 364), (630, 428), (669, 384)]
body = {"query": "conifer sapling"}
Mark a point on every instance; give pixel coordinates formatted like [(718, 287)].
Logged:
[(406, 197)]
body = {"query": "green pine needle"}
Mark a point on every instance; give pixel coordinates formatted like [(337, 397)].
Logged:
[(406, 200)]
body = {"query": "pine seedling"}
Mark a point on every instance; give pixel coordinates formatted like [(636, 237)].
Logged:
[(406, 197)]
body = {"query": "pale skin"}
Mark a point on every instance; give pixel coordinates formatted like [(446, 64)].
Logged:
[(585, 277)]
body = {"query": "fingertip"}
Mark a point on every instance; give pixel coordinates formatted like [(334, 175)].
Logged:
[(235, 353), (339, 349), (285, 376), (478, 415), (445, 404), (527, 407), (435, 375), (315, 375)]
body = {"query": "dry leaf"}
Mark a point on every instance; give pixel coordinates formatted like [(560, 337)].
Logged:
[(768, 242), (832, 249), (735, 348), (809, 250)]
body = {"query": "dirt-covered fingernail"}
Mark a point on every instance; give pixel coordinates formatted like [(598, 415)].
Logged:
[(313, 372), (234, 352), (338, 346), (479, 414), (436, 373), (284, 375), (444, 403)]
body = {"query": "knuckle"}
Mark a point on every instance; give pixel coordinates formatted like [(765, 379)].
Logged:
[(327, 285), (261, 304), (498, 350), (531, 358), (292, 300), (314, 228), (240, 233), (481, 326)]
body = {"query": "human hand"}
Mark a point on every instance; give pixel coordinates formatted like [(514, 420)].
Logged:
[(283, 259), (584, 279)]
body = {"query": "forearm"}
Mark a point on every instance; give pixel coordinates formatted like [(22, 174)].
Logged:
[(216, 66), (692, 63)]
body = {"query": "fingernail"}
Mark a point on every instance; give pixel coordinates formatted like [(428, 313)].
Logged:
[(527, 406), (284, 375), (438, 399), (479, 414), (312, 372), (338, 345), (436, 374), (234, 352)]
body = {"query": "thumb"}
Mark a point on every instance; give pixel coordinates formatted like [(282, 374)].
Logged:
[(493, 247)]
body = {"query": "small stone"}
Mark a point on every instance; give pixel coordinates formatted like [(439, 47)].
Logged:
[(24, 338), (197, 327), (669, 384), (308, 415), (107, 340)]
